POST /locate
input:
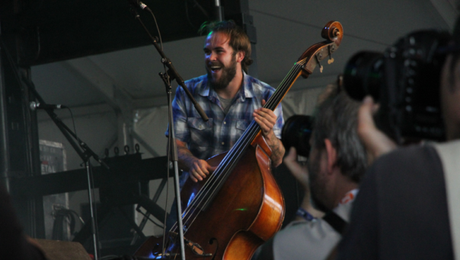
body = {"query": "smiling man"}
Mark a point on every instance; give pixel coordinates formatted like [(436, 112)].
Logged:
[(230, 98)]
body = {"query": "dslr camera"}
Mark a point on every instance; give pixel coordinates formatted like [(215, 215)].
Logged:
[(405, 81), (296, 132)]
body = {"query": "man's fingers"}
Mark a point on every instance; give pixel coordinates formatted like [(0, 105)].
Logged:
[(201, 169), (262, 123), (365, 113), (203, 172), (193, 178), (265, 118)]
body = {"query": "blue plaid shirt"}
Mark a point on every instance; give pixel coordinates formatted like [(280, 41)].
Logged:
[(221, 131)]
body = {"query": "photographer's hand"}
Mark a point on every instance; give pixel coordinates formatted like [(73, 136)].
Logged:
[(375, 141), (301, 174)]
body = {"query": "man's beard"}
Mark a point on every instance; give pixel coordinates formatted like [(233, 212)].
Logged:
[(227, 75), (317, 183)]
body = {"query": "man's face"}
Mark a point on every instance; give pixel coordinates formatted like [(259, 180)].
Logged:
[(450, 98), (220, 60)]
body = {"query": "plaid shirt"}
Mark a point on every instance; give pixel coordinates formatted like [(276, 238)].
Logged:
[(221, 131)]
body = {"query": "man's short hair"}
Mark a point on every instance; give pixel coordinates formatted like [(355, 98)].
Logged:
[(239, 40), (336, 119)]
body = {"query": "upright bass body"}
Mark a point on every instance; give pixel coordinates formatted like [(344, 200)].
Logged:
[(246, 211)]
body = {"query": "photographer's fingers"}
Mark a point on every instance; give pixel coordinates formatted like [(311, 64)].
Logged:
[(297, 170), (375, 141), (365, 113)]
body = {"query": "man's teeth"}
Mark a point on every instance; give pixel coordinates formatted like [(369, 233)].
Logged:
[(215, 67)]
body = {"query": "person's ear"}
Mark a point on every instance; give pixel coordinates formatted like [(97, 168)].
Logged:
[(331, 153), (240, 56)]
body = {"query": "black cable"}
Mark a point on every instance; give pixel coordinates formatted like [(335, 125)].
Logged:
[(61, 214), (156, 25), (146, 215)]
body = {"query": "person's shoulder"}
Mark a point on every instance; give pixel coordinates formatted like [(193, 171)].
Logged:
[(194, 83), (410, 152), (257, 85), (407, 161)]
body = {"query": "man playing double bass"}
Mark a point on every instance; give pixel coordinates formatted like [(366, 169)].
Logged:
[(230, 98)]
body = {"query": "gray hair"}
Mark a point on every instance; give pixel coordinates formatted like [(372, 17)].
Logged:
[(336, 119)]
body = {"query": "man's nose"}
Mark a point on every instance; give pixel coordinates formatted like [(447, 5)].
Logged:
[(212, 56)]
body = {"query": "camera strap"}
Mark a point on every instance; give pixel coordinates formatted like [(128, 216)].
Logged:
[(449, 153), (336, 222)]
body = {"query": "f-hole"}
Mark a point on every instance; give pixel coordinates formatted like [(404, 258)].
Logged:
[(211, 241)]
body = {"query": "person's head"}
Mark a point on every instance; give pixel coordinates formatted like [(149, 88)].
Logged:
[(338, 158), (450, 88), (227, 51)]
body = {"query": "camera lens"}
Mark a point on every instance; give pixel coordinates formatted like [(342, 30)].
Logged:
[(296, 133), (363, 75)]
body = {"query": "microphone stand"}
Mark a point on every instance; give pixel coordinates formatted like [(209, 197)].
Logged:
[(167, 77), (173, 155), (85, 154)]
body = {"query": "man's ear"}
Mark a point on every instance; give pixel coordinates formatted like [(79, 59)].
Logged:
[(240, 56), (331, 153)]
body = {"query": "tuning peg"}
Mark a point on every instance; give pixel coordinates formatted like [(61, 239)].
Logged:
[(329, 53), (319, 64)]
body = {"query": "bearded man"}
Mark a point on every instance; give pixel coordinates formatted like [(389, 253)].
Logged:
[(229, 97)]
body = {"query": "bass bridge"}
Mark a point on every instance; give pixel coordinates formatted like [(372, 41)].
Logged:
[(194, 247)]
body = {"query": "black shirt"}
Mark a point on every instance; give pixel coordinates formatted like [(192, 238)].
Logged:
[(401, 209)]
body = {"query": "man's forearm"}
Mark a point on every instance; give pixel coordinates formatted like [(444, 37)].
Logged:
[(185, 158), (277, 148)]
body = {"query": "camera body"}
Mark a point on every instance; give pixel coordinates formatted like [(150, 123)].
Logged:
[(405, 81), (296, 132)]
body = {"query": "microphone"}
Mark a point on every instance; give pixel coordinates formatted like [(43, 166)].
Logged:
[(138, 3), (35, 105)]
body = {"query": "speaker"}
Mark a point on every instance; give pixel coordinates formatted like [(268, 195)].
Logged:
[(62, 250)]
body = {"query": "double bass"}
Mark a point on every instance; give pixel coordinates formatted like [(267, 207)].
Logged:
[(239, 206)]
